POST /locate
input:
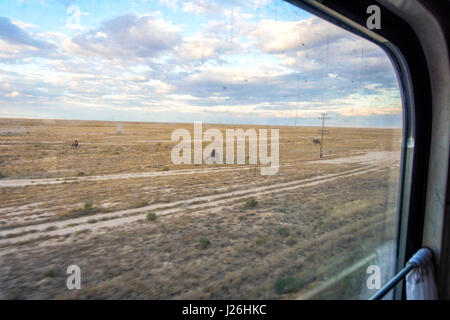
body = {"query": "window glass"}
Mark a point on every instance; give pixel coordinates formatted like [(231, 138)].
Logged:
[(194, 150)]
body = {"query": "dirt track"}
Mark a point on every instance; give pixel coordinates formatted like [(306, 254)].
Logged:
[(119, 218), (201, 205)]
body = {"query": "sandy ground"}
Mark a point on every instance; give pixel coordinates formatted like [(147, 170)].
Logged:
[(59, 204), (378, 157), (27, 182), (121, 217)]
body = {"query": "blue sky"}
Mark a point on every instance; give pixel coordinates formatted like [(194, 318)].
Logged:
[(246, 62)]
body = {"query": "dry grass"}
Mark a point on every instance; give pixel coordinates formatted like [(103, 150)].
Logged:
[(210, 234)]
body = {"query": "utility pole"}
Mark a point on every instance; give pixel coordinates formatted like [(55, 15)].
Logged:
[(322, 132)]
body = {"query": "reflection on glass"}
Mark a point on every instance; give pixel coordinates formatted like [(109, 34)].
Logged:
[(94, 101)]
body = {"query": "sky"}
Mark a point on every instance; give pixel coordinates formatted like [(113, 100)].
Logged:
[(237, 61)]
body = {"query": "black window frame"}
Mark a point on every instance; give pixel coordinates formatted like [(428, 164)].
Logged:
[(407, 56)]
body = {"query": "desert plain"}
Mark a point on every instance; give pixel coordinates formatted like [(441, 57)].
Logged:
[(141, 227)]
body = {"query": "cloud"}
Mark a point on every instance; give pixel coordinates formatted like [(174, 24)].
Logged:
[(128, 36), (203, 7), (13, 34), (277, 36), (228, 64), (313, 45), (201, 48), (217, 7), (12, 94), (198, 49), (16, 43)]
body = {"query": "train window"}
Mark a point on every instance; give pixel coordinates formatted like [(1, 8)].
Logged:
[(194, 150)]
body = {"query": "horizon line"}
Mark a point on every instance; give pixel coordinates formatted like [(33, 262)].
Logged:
[(192, 122)]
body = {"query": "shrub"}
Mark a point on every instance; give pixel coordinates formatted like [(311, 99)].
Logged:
[(283, 232), (288, 284), (282, 210), (204, 243), (151, 216), (165, 169), (88, 207), (81, 173), (49, 274), (252, 203)]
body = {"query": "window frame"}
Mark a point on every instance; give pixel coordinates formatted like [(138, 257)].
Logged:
[(402, 46)]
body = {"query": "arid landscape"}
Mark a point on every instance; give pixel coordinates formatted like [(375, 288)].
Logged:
[(141, 227)]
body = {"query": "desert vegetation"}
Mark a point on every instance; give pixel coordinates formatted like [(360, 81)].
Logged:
[(141, 227)]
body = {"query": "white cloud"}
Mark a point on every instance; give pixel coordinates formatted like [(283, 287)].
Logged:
[(313, 44), (12, 94), (203, 7), (231, 65), (128, 36), (16, 43)]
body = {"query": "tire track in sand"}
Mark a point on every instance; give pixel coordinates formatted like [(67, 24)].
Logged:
[(118, 218)]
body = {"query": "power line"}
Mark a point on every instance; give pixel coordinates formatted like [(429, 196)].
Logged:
[(322, 132), (298, 99)]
